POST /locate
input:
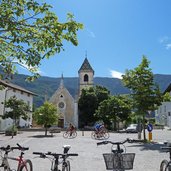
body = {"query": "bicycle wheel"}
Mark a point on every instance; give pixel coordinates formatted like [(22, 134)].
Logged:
[(74, 134), (66, 166), (65, 134), (26, 166), (106, 135), (163, 165), (93, 135)]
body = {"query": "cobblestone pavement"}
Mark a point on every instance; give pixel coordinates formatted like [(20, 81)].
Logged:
[(148, 156)]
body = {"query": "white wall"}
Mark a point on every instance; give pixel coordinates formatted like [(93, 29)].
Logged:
[(6, 94), (163, 114)]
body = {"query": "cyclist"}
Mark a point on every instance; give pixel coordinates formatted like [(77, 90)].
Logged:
[(98, 127), (71, 128)]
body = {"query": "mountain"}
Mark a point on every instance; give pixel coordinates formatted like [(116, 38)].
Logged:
[(44, 87)]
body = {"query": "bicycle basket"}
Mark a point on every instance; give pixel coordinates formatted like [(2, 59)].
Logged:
[(119, 161)]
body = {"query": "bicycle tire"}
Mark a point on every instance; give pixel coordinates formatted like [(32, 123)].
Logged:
[(93, 135), (27, 166), (106, 135), (66, 166), (74, 134), (65, 134), (163, 165)]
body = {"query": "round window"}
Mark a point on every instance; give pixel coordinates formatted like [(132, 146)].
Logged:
[(61, 105)]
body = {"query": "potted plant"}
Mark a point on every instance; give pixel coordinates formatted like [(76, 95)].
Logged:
[(11, 131)]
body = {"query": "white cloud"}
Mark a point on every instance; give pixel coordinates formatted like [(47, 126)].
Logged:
[(116, 74), (90, 33), (166, 41), (168, 46)]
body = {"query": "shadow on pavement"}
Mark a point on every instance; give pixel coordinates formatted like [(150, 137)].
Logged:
[(148, 146), (41, 136)]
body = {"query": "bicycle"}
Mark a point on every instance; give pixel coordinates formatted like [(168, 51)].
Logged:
[(23, 164), (102, 134), (165, 164), (70, 134), (55, 159), (118, 159)]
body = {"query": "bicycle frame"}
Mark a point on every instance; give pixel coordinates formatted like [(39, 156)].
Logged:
[(55, 162), (20, 160)]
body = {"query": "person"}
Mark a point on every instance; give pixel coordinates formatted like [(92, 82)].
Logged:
[(98, 127), (71, 128)]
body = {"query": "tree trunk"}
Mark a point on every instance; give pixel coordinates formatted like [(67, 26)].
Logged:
[(46, 131), (144, 128)]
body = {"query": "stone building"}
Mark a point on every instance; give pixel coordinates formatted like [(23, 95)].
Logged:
[(68, 105)]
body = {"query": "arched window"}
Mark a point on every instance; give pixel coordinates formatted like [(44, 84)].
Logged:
[(86, 78)]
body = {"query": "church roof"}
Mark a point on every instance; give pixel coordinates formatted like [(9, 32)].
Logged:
[(86, 66)]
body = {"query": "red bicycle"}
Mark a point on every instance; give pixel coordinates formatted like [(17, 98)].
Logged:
[(23, 164)]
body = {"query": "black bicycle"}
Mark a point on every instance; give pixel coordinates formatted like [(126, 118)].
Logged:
[(165, 164), (118, 159), (55, 158)]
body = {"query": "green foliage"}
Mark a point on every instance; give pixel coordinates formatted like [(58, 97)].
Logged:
[(12, 129), (46, 115), (145, 93), (30, 32), (89, 102), (114, 109), (16, 108), (167, 97)]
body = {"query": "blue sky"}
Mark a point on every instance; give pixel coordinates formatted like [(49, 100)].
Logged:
[(116, 34)]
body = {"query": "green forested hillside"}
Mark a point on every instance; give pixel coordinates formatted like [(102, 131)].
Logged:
[(44, 87)]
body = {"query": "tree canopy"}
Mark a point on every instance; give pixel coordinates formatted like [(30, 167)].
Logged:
[(30, 32), (16, 108), (46, 115), (89, 102), (114, 109), (144, 91)]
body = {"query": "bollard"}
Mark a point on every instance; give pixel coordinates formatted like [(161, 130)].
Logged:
[(150, 136), (82, 132)]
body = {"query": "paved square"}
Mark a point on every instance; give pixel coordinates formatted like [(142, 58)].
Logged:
[(148, 156)]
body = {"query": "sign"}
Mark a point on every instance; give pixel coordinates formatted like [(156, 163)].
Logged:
[(149, 127)]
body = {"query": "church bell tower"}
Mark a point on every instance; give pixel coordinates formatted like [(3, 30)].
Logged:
[(86, 76)]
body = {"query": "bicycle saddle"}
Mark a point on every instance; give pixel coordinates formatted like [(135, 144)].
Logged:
[(67, 146)]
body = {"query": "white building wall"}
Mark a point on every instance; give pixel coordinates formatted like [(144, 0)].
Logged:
[(5, 94), (163, 114)]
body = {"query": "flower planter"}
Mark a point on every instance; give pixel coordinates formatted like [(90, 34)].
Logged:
[(10, 133)]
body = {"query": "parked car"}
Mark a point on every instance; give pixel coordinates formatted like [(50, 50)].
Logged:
[(132, 128), (54, 129)]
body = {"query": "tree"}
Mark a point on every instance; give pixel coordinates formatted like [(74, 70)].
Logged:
[(145, 93), (17, 108), (46, 115), (88, 103), (30, 32), (167, 97), (113, 110)]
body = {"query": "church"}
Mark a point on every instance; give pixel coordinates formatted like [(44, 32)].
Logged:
[(68, 105)]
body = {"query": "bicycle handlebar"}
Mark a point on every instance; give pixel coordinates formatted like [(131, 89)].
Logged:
[(9, 148), (116, 143), (43, 155)]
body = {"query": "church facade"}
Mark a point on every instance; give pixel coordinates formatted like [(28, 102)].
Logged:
[(68, 105)]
